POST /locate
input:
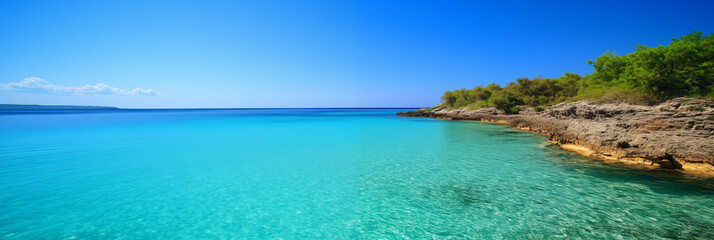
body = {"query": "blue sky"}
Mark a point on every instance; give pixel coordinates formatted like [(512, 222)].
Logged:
[(172, 54)]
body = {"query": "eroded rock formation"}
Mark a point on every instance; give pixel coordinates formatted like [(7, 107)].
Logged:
[(677, 134)]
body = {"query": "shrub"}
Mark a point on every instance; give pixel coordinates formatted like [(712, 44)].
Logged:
[(648, 75), (507, 102), (696, 108)]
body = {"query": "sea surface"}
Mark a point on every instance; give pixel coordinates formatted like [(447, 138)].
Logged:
[(320, 174)]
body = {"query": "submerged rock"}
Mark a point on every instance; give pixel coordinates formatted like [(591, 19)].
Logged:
[(677, 134)]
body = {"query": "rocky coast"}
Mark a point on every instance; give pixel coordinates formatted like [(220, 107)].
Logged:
[(675, 135)]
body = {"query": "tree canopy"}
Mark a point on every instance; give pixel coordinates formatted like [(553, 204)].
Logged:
[(648, 75)]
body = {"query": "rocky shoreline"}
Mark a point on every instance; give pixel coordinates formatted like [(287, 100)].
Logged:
[(676, 135)]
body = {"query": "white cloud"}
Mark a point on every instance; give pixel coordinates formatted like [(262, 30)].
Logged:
[(39, 85)]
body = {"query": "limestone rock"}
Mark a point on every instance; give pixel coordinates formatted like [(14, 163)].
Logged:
[(677, 134)]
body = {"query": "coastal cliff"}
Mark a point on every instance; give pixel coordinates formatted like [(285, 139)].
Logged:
[(677, 134)]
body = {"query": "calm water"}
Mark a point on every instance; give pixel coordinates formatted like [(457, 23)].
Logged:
[(320, 174)]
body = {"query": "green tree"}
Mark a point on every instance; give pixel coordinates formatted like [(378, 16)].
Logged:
[(684, 68)]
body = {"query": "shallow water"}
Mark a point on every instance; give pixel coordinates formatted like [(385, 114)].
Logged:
[(320, 173)]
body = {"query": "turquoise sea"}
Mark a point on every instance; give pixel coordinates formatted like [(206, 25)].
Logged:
[(320, 174)]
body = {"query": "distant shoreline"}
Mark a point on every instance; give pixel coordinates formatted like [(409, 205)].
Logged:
[(79, 107), (49, 107)]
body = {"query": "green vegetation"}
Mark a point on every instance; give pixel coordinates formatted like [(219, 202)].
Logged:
[(647, 76), (696, 108)]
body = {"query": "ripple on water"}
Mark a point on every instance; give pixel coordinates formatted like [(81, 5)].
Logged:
[(309, 174)]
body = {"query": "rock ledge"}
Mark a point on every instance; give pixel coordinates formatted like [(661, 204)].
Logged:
[(677, 134)]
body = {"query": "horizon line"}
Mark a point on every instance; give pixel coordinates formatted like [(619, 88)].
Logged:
[(92, 107)]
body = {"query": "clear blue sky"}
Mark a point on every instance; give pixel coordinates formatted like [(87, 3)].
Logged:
[(310, 53)]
